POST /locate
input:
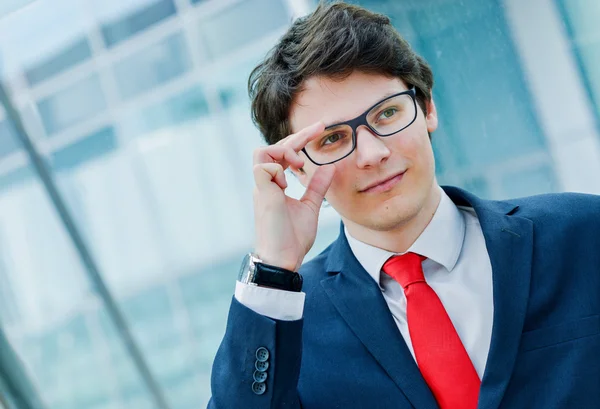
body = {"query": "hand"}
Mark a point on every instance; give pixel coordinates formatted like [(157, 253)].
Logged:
[(285, 227)]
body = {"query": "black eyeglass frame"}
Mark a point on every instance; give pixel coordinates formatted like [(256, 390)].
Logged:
[(362, 120)]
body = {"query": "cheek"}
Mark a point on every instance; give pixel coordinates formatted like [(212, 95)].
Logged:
[(341, 186), (411, 147), (417, 145)]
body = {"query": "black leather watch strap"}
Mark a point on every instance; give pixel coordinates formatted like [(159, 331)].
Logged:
[(280, 278)]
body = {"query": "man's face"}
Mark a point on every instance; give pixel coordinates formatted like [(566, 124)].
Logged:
[(407, 154)]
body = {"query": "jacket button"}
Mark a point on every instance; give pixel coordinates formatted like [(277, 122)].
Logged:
[(259, 388), (260, 376), (262, 354), (261, 366)]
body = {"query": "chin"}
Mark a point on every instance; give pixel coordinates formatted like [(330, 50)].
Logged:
[(391, 214), (388, 224)]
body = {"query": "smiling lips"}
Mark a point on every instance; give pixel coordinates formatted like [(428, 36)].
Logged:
[(383, 185)]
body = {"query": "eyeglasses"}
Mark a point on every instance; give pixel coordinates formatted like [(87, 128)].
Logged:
[(387, 117)]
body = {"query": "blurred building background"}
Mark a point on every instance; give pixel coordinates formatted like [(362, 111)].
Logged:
[(140, 110)]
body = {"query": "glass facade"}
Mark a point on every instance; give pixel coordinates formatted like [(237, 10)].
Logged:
[(155, 65), (581, 18), (140, 113), (8, 140), (75, 103)]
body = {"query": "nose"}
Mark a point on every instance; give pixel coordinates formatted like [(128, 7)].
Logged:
[(371, 150)]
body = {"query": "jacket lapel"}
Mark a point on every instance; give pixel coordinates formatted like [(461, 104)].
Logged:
[(509, 242), (359, 301)]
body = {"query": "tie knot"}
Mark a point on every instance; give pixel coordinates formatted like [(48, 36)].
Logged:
[(405, 269)]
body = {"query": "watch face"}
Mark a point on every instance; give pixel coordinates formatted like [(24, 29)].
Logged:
[(244, 269), (246, 274)]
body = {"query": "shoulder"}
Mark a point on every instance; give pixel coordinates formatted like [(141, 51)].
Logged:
[(571, 206), (562, 214), (568, 205)]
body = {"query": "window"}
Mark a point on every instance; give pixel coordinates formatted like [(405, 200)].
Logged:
[(73, 104), (152, 66), (85, 150), (233, 28), (136, 22), (581, 19), (186, 106), (66, 58), (8, 139), (16, 177)]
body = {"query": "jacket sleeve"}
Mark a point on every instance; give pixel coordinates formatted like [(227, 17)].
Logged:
[(258, 362)]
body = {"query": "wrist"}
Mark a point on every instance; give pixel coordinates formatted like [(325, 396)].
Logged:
[(255, 271), (278, 261)]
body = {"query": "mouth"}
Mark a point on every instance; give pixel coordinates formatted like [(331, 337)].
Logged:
[(384, 184)]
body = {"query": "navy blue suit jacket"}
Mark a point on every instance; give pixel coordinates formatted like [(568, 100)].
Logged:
[(347, 352)]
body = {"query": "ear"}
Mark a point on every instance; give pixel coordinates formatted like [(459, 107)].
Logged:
[(431, 119)]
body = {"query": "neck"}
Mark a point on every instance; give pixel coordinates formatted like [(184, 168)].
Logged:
[(399, 238)]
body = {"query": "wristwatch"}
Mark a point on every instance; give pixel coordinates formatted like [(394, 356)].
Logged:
[(255, 272)]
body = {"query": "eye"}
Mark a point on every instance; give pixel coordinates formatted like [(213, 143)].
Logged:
[(388, 113), (331, 139)]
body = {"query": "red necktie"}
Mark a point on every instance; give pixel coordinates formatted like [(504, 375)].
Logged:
[(441, 356)]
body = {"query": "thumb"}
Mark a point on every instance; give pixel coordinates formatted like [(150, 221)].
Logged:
[(318, 186)]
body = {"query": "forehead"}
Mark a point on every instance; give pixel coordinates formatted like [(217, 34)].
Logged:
[(334, 100)]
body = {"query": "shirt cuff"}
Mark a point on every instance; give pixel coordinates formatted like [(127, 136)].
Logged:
[(270, 302)]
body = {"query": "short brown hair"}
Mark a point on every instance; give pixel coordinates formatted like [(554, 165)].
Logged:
[(333, 41)]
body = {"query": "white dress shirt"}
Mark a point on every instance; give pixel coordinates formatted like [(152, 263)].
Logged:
[(457, 267)]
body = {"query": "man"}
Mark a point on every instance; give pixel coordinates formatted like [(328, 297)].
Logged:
[(430, 297)]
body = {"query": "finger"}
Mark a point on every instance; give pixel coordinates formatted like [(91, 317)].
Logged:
[(298, 140), (267, 173), (283, 155), (318, 186)]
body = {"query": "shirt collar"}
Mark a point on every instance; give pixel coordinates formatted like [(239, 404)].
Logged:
[(441, 241)]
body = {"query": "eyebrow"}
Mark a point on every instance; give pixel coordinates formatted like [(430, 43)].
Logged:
[(383, 97)]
